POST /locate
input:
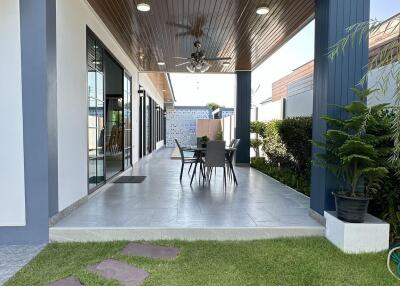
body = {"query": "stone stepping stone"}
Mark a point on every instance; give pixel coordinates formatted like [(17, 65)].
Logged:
[(149, 250), (124, 273), (70, 281)]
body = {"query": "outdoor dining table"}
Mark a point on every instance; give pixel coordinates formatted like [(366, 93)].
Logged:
[(199, 152)]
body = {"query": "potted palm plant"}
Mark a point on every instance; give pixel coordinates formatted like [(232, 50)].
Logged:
[(351, 152)]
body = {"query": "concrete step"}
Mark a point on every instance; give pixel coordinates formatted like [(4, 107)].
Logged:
[(85, 234)]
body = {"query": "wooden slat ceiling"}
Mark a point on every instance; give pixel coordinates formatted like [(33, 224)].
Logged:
[(226, 28), (161, 82)]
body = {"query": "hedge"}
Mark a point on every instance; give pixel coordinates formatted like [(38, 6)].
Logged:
[(287, 149), (287, 143)]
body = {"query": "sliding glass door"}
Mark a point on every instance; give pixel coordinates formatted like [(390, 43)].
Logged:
[(95, 67), (127, 121), (109, 114), (151, 124)]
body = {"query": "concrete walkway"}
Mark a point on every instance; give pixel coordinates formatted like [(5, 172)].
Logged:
[(14, 257), (163, 207)]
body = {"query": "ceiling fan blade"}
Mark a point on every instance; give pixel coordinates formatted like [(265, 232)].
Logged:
[(179, 25), (217, 59), (183, 34), (181, 58), (182, 64)]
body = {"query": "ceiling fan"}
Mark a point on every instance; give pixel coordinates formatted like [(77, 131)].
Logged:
[(198, 62), (195, 28)]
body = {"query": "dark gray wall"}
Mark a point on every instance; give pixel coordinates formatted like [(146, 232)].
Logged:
[(37, 60), (242, 112), (333, 81)]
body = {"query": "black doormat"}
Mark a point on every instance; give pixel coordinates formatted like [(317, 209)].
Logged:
[(130, 179)]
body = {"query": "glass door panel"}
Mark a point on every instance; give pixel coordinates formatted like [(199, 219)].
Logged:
[(95, 95), (114, 136), (127, 121)]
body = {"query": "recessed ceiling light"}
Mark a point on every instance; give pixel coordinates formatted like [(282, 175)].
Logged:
[(225, 64), (161, 63), (262, 10), (164, 90), (143, 7)]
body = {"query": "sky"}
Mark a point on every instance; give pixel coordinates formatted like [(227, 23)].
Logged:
[(199, 89)]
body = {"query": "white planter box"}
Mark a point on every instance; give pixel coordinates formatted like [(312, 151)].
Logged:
[(370, 236)]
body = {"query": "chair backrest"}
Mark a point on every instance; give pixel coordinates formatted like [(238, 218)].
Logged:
[(180, 149), (215, 154), (236, 144), (232, 142)]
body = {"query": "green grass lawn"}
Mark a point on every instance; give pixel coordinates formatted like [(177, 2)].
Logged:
[(306, 261)]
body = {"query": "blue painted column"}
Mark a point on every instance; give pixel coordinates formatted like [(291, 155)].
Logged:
[(333, 81), (38, 71), (242, 116)]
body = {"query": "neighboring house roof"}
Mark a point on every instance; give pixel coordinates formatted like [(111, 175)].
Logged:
[(378, 40), (279, 87), (386, 35)]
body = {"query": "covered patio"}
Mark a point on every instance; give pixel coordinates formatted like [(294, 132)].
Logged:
[(65, 173), (162, 207)]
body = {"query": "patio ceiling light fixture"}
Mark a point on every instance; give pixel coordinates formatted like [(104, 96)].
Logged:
[(262, 10), (226, 64), (143, 6), (161, 63), (190, 68)]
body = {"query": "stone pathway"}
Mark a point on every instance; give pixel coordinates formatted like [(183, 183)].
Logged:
[(70, 281), (149, 250), (14, 257), (124, 273)]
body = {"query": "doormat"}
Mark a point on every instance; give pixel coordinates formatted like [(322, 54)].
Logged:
[(130, 179)]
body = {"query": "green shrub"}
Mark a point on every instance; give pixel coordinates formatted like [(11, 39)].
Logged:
[(219, 135), (257, 127), (297, 180), (255, 144), (386, 201), (287, 147), (296, 135), (273, 146)]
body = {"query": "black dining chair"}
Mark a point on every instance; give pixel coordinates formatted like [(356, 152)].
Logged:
[(214, 158), (229, 160), (184, 159)]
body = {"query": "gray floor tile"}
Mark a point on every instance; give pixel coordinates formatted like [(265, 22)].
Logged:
[(163, 201)]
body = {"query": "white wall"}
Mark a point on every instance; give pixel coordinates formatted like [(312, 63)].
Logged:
[(270, 111), (375, 77), (299, 101), (72, 19), (12, 190)]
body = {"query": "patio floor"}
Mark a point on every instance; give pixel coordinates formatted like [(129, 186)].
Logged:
[(162, 207)]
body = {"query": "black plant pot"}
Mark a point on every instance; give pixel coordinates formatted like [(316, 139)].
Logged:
[(351, 209)]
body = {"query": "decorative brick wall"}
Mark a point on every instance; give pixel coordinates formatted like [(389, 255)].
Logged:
[(181, 124), (227, 113)]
